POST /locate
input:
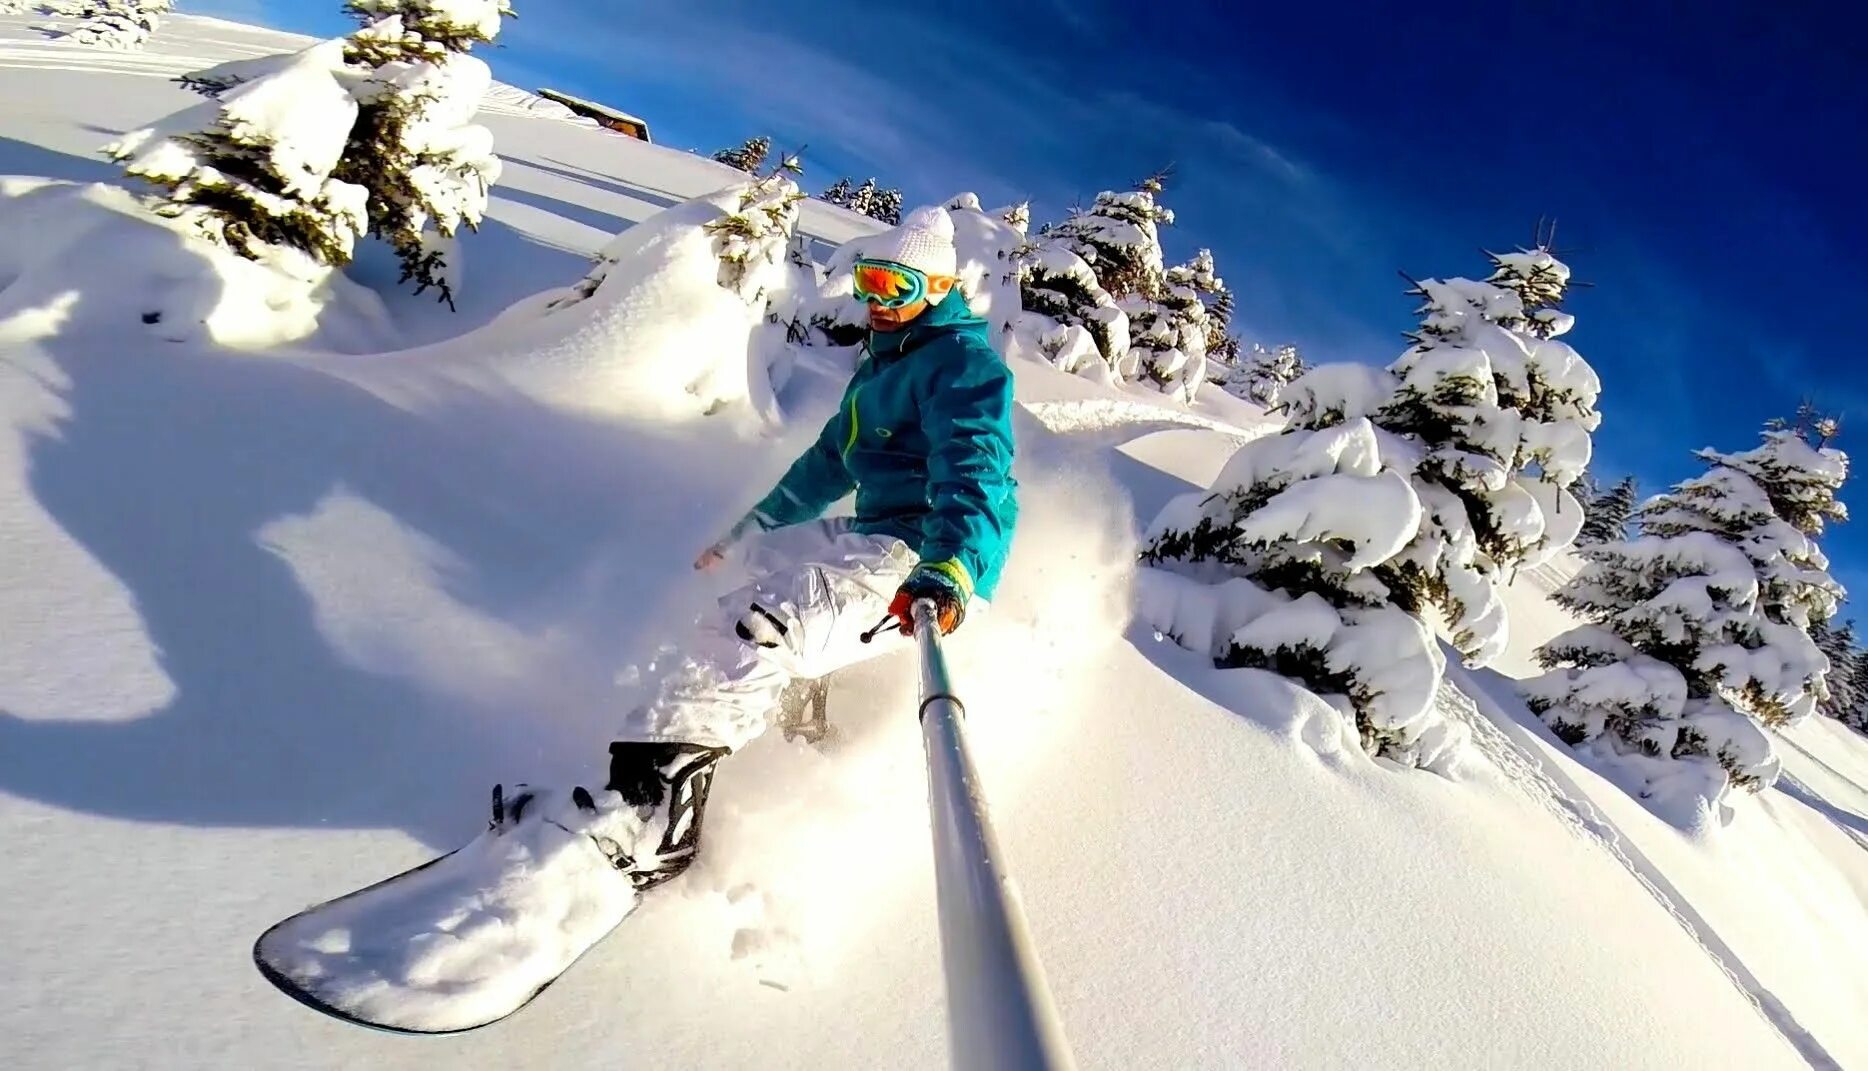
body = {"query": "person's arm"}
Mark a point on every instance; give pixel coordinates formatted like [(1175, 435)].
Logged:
[(814, 481), (967, 416)]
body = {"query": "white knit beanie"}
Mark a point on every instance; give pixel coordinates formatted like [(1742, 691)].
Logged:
[(924, 241)]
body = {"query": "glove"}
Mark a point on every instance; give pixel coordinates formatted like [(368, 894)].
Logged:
[(936, 586)]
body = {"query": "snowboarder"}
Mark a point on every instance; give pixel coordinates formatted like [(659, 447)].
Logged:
[(923, 436)]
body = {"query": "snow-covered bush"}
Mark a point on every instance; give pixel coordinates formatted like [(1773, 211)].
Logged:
[(122, 24), (414, 146), (1099, 270), (1699, 633), (256, 171), (93, 255), (684, 315)]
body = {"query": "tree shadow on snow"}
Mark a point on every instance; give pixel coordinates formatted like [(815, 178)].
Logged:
[(171, 462), (1849, 821), (608, 223), (24, 158), (621, 187)]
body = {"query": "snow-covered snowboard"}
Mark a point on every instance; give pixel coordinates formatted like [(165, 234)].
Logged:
[(463, 940)]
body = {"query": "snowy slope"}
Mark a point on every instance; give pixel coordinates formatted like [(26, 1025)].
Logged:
[(267, 634)]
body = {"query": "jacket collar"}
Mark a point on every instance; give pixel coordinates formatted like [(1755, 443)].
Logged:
[(949, 317)]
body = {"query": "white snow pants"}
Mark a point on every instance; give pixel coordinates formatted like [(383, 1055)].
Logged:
[(824, 586)]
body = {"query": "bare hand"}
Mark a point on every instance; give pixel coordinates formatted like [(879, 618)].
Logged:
[(709, 558)]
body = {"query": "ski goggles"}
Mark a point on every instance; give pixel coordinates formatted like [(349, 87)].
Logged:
[(888, 284)]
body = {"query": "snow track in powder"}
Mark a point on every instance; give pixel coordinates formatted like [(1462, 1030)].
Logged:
[(1497, 737)]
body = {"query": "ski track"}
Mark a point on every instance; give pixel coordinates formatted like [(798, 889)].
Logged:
[(1496, 737)]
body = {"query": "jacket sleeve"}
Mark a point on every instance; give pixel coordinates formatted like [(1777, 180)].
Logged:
[(967, 416), (811, 485)]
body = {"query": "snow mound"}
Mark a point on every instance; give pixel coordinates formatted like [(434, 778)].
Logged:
[(143, 276), (671, 325)]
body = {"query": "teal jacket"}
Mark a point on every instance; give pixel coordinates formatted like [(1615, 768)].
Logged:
[(924, 437)]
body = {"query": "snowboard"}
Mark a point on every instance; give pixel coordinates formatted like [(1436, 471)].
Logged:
[(456, 943)]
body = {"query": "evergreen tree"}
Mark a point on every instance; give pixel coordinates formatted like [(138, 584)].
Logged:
[(748, 156), (1264, 373), (1295, 531), (1221, 344), (427, 165), (260, 178), (863, 199), (1119, 238), (838, 194), (755, 235), (1055, 285), (1505, 417), (1607, 515), (1857, 718), (369, 132), (1168, 335), (886, 206), (1017, 216), (1699, 631), (1845, 693), (123, 24), (1390, 491)]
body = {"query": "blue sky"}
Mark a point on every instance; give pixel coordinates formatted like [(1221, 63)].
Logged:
[(1705, 164)]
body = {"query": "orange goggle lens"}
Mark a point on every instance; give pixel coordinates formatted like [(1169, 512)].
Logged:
[(889, 285)]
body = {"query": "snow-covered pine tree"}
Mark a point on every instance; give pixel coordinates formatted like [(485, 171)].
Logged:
[(748, 156), (838, 194), (1279, 566), (1845, 693), (752, 239), (886, 206), (427, 165), (256, 170), (1068, 318), (122, 24), (1857, 718), (1221, 344), (1700, 629), (1607, 515), (1169, 333), (1119, 237), (1390, 491), (1264, 373), (863, 199), (1017, 216), (1504, 417), (752, 230)]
